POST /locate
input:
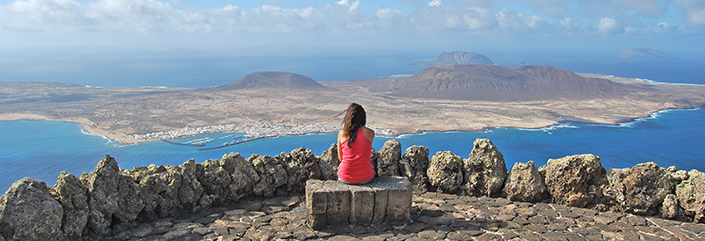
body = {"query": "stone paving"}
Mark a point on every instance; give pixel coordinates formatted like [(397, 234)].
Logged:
[(435, 216)]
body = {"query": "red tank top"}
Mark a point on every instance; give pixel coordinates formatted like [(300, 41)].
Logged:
[(356, 166)]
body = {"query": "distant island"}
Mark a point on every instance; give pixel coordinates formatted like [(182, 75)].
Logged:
[(652, 53), (439, 98), (457, 58), (495, 83), (273, 79)]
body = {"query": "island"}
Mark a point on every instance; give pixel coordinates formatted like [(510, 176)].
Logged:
[(439, 98), (652, 53), (457, 58)]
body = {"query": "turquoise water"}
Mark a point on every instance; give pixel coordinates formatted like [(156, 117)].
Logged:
[(42, 149)]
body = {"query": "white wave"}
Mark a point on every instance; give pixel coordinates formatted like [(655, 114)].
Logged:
[(548, 129), (404, 136), (654, 115), (108, 140), (400, 75), (154, 87)]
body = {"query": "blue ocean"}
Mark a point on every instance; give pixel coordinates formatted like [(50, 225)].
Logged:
[(42, 149)]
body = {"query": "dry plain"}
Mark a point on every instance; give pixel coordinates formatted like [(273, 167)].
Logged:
[(119, 113)]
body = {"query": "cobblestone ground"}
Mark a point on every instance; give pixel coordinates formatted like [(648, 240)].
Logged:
[(435, 217)]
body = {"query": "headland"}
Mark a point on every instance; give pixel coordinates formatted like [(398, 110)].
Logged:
[(524, 97)]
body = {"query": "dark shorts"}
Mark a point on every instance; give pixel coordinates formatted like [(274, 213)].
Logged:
[(356, 183)]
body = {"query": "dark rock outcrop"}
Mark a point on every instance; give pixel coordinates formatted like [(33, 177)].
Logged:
[(640, 190), (215, 180), (29, 212), (191, 190), (445, 172), (300, 165), (110, 200), (484, 170), (272, 175), (525, 183), (73, 195), (389, 157), (690, 196), (413, 165), (328, 162), (575, 181), (113, 196), (243, 175)]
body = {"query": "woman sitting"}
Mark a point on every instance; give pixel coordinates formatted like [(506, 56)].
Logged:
[(355, 147)]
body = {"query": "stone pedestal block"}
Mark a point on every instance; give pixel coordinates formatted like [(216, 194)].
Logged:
[(380, 203), (384, 199), (398, 208), (316, 202), (338, 202), (362, 205)]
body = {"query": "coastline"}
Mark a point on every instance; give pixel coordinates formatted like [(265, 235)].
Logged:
[(126, 139), (263, 115)]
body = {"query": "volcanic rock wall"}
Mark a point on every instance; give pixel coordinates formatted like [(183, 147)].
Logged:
[(109, 199)]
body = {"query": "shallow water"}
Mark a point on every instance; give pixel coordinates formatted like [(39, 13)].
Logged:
[(42, 149)]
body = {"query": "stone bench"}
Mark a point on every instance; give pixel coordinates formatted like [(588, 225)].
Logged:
[(383, 200)]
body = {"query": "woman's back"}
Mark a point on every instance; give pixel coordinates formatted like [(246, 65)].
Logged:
[(355, 163)]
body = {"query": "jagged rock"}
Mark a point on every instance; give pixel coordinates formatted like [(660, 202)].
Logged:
[(29, 212), (640, 190), (389, 157), (525, 184), (445, 172), (575, 181), (151, 185), (300, 165), (169, 204), (485, 170), (216, 181), (191, 189), (413, 165), (690, 196), (244, 176), (73, 196), (328, 162), (111, 194), (151, 188), (271, 172), (676, 175), (670, 208)]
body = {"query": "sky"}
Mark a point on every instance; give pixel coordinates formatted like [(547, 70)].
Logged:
[(54, 30), (360, 25)]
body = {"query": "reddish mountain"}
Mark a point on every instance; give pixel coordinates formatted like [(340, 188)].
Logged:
[(488, 82), (274, 80)]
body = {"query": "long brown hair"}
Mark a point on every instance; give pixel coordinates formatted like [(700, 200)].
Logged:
[(355, 117)]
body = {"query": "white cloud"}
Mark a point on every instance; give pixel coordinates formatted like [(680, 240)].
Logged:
[(480, 18), (694, 10), (511, 20), (344, 18), (387, 13), (535, 22), (434, 3), (351, 7), (608, 25), (654, 8), (41, 15)]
